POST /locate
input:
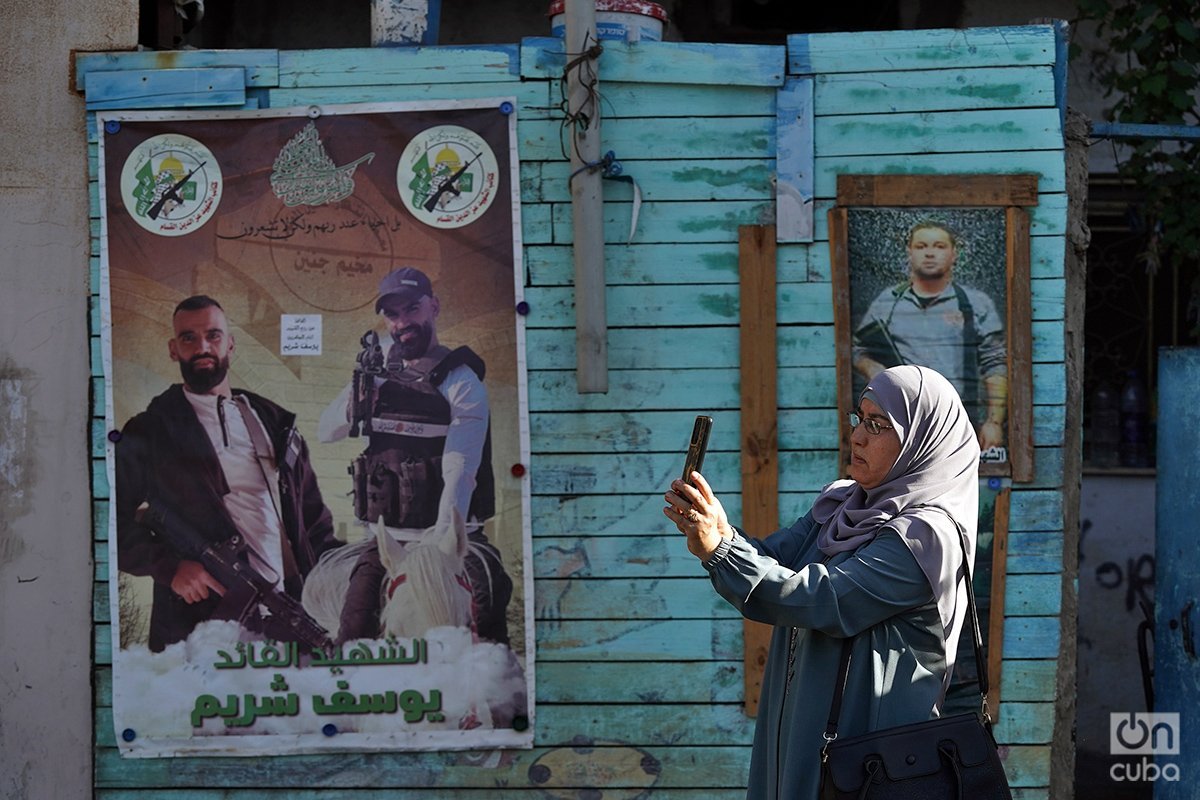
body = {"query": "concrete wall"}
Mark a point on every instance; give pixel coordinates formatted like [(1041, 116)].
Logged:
[(45, 518)]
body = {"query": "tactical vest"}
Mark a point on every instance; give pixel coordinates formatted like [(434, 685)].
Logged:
[(399, 475)]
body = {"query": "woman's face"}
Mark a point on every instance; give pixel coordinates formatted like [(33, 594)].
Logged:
[(872, 454)]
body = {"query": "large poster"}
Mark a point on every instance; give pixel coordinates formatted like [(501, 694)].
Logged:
[(319, 535)]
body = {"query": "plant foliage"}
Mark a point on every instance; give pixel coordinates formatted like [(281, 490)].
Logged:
[(1152, 70)]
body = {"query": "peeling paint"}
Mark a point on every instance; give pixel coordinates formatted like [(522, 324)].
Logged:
[(16, 460), (398, 21)]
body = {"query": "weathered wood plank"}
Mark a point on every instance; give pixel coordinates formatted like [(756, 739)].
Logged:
[(1025, 681), (532, 99), (690, 179), (794, 177), (750, 178), (667, 431), (690, 390), (663, 62), (626, 515), (1049, 423), (879, 51), (634, 598), (1035, 511), (934, 90), (1025, 723), (397, 65), (673, 304), (630, 473), (1048, 297), (1049, 383), (261, 67), (625, 99), (644, 557), (1048, 341), (934, 132), (653, 348), (1035, 551), (713, 262), (1046, 164), (536, 224), (1032, 595), (640, 640), (670, 222), (679, 768), (1031, 637), (715, 137), (1005, 189), (173, 88)]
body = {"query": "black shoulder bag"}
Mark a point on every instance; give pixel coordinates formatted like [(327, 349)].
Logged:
[(946, 758)]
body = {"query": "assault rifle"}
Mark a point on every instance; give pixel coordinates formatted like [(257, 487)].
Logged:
[(247, 592), (362, 399)]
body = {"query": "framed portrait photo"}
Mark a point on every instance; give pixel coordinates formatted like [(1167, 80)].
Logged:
[(933, 270)]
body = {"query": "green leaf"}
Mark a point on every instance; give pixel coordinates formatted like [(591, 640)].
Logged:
[(1161, 23), (1181, 99), (1155, 85), (1186, 30)]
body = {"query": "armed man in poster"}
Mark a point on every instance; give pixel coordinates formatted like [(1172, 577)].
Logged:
[(423, 409), (216, 499)]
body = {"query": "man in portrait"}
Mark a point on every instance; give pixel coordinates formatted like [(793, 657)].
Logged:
[(424, 411), (210, 468), (931, 320)]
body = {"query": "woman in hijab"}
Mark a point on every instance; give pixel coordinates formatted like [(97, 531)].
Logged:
[(876, 558)]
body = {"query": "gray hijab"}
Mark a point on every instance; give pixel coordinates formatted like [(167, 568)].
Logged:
[(935, 479)]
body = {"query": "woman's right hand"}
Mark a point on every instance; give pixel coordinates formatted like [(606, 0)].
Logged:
[(698, 513)]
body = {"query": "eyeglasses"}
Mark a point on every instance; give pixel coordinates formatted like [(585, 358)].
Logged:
[(873, 427)]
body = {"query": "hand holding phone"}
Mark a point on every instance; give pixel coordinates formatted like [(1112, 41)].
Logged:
[(694, 461)]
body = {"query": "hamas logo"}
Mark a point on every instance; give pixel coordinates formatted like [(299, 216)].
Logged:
[(447, 176), (171, 184), (304, 174)]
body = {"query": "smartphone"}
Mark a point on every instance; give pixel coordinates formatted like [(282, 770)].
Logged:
[(694, 461)]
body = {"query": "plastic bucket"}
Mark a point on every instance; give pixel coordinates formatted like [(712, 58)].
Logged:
[(622, 20)]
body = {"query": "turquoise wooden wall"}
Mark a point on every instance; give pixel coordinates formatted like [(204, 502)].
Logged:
[(638, 662)]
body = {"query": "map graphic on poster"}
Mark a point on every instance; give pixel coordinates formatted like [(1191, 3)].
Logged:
[(316, 393)]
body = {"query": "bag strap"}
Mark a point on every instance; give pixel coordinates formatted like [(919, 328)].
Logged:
[(839, 686)]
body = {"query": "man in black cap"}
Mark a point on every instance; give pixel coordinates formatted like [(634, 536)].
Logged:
[(424, 410)]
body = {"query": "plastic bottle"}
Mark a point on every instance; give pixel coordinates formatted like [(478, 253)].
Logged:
[(1134, 449), (1105, 433)]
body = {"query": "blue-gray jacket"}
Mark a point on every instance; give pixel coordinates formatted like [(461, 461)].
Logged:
[(897, 665)]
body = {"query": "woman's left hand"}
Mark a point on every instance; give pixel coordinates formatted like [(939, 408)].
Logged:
[(698, 513)]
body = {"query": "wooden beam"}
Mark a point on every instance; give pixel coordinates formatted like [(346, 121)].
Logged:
[(587, 212), (995, 640), (1020, 349), (760, 420), (937, 190)]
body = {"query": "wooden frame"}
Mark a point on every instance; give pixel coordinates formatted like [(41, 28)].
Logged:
[(871, 228)]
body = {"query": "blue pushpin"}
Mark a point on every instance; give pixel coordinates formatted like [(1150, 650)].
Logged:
[(330, 729), (129, 734), (506, 108), (112, 126)]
